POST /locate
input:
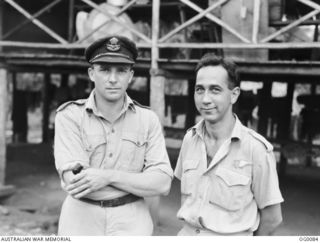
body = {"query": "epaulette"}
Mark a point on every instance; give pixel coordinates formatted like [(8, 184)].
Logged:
[(257, 136), (142, 106), (76, 102)]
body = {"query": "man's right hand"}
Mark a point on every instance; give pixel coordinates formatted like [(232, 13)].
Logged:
[(87, 181)]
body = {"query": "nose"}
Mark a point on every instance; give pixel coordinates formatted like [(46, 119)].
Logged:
[(206, 98), (112, 77)]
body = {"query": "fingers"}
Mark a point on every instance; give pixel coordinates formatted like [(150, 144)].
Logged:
[(77, 178), (82, 194), (77, 190), (79, 184)]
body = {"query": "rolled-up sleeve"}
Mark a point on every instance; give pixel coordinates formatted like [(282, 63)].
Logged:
[(68, 148), (156, 157), (178, 169), (265, 180), (186, 142)]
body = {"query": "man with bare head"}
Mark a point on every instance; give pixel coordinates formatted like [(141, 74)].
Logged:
[(229, 183)]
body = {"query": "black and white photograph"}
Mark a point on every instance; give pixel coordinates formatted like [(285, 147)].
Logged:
[(159, 118)]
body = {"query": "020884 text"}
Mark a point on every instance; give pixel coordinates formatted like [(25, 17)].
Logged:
[(309, 238)]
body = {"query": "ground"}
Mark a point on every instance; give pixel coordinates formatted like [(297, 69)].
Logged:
[(34, 208)]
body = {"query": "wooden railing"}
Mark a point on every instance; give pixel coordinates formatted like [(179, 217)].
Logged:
[(162, 42)]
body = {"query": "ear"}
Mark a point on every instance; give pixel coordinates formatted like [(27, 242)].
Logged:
[(90, 73), (131, 76), (235, 95)]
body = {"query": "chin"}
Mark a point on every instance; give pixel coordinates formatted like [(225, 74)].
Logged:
[(210, 118), (113, 98)]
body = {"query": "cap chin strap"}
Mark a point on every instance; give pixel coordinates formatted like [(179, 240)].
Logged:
[(109, 54)]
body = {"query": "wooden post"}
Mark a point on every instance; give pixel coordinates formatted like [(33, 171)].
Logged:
[(1, 22), (3, 119), (157, 98), (45, 108), (5, 190), (157, 80), (256, 20), (3, 108)]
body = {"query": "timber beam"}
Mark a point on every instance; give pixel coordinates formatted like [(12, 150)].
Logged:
[(302, 71)]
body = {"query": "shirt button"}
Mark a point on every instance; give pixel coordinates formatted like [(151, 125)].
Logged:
[(197, 231), (138, 143), (112, 130), (110, 155)]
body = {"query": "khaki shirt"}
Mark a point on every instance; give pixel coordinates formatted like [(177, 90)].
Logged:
[(133, 143), (241, 178)]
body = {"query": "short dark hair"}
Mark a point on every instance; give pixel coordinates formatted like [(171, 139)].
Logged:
[(211, 59)]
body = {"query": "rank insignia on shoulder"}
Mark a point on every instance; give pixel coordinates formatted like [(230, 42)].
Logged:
[(259, 137)]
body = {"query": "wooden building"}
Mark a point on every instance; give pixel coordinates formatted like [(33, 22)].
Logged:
[(40, 36)]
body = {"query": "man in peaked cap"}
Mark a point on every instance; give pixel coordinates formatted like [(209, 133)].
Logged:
[(109, 150)]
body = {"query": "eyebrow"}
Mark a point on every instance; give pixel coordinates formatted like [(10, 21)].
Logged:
[(210, 86)]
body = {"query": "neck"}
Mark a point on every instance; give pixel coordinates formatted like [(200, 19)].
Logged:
[(109, 110), (222, 129)]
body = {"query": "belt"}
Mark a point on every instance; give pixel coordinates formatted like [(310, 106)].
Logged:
[(112, 202)]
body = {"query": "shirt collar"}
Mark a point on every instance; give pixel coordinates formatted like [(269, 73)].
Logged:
[(129, 104), (235, 134), (91, 104), (237, 129), (92, 107), (198, 128)]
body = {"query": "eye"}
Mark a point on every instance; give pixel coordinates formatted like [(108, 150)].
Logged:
[(199, 90), (123, 70), (104, 69), (215, 90)]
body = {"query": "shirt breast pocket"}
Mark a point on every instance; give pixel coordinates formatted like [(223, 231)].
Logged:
[(190, 177), (133, 148), (230, 190), (95, 146)]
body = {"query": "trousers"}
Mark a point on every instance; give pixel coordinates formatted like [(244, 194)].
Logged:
[(79, 218), (190, 230)]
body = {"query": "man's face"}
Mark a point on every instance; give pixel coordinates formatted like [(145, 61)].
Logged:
[(111, 80), (213, 98)]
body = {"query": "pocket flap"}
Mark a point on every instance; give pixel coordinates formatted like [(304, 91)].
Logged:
[(190, 165), (92, 141), (232, 178), (136, 138)]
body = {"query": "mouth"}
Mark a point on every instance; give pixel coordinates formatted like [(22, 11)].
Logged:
[(208, 109)]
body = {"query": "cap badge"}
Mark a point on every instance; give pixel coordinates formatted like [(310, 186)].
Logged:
[(113, 44)]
